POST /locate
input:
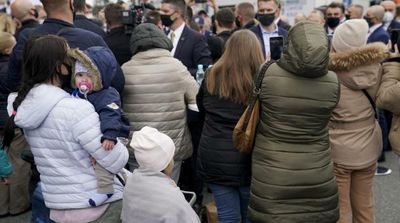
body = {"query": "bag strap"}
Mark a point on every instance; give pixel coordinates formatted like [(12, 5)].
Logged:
[(260, 77), (371, 101), (256, 92)]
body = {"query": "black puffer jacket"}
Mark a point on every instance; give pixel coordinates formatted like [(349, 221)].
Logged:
[(219, 162)]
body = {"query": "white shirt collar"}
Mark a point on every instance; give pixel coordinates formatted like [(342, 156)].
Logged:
[(178, 33), (374, 27), (263, 31)]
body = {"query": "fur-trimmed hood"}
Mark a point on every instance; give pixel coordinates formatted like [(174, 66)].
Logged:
[(351, 59), (100, 61)]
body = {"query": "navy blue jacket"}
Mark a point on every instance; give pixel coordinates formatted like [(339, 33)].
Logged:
[(192, 50), (257, 30), (31, 23), (107, 102), (80, 21), (379, 35), (77, 38), (393, 25)]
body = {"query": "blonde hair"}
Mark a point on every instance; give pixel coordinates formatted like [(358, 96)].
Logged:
[(7, 24), (232, 75), (7, 41)]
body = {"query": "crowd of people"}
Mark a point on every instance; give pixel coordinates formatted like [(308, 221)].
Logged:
[(104, 121)]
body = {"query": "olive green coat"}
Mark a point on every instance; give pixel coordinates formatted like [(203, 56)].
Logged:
[(293, 179)]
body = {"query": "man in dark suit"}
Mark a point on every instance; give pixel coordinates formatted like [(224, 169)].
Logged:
[(189, 46), (374, 17), (390, 21), (334, 17), (82, 22), (268, 11)]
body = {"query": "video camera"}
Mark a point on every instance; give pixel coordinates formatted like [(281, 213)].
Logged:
[(134, 16)]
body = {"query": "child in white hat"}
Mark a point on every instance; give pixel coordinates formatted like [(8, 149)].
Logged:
[(150, 195)]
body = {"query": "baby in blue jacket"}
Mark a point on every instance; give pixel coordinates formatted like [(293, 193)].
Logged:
[(93, 71)]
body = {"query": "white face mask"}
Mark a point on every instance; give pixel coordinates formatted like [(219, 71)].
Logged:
[(41, 21), (388, 17)]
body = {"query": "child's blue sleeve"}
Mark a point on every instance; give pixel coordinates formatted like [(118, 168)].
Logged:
[(113, 124)]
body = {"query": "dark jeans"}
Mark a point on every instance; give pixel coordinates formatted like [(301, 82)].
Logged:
[(190, 179), (385, 121), (232, 203), (40, 213)]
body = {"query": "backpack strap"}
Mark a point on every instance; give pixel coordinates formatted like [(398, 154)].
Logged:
[(371, 101)]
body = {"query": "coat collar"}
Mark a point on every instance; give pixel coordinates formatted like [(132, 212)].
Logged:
[(351, 59)]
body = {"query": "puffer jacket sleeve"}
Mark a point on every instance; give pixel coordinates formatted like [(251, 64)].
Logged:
[(86, 132), (389, 91), (5, 165), (191, 87)]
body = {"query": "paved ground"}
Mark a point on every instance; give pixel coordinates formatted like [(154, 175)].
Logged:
[(387, 196)]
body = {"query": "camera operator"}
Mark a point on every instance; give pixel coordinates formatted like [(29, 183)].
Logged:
[(116, 38)]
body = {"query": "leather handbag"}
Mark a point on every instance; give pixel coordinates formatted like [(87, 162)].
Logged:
[(245, 130)]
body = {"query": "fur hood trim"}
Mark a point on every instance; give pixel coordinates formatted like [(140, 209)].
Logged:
[(351, 59), (80, 56)]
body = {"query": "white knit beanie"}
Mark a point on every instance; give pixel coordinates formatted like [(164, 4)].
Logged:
[(351, 34), (153, 150)]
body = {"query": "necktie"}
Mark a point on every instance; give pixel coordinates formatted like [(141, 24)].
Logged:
[(172, 37)]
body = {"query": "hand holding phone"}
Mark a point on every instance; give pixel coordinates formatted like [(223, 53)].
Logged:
[(276, 47)]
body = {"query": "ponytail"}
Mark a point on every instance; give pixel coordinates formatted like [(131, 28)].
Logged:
[(9, 128)]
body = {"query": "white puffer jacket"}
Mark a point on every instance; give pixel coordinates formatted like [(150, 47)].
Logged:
[(63, 133)]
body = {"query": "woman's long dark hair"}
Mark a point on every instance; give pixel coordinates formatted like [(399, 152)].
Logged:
[(42, 58)]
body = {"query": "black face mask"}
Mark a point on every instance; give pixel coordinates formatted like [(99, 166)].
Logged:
[(65, 79), (368, 20), (347, 17), (266, 19), (332, 22), (237, 22), (166, 20)]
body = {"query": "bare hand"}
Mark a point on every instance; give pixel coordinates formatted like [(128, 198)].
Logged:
[(108, 144), (6, 180), (93, 161)]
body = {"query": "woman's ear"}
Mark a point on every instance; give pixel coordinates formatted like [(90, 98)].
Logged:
[(8, 51)]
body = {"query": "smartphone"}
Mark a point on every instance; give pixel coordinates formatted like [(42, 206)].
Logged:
[(276, 47), (394, 37), (200, 1)]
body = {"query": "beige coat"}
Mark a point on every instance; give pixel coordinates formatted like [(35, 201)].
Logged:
[(354, 132), (157, 90), (389, 99)]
